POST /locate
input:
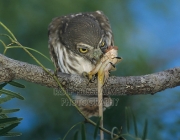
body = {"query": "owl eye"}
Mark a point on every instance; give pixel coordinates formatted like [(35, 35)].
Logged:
[(83, 50), (102, 44)]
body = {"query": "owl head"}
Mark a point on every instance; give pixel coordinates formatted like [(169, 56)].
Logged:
[(82, 35), (86, 34)]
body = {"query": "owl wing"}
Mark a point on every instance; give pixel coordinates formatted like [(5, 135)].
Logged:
[(105, 25), (54, 33)]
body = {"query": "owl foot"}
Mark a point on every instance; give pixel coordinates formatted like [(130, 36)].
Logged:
[(56, 71), (102, 68), (90, 76)]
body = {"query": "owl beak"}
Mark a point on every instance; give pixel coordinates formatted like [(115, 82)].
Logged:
[(97, 54)]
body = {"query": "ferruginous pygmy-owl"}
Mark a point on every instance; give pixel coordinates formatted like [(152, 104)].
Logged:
[(77, 42)]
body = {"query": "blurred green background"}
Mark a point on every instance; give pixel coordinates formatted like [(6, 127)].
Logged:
[(148, 36)]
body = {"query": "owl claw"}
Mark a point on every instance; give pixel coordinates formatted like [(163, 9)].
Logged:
[(90, 76)]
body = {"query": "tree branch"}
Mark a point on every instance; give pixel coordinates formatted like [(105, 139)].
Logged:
[(11, 69)]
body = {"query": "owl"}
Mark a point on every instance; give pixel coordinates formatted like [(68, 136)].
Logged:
[(77, 42)]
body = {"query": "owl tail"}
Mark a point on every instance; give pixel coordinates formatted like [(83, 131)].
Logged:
[(89, 104)]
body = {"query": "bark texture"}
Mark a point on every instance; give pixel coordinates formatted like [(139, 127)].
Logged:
[(11, 69)]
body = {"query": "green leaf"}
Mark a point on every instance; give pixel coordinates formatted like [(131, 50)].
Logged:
[(127, 118), (145, 130), (21, 47), (83, 132), (5, 99), (12, 35), (12, 134), (2, 42), (9, 120), (6, 111), (9, 123), (112, 131), (135, 124), (13, 94), (7, 36), (70, 130), (7, 129), (16, 84), (96, 128), (2, 85), (3, 116), (76, 135)]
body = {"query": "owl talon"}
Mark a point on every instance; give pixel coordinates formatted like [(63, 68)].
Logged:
[(94, 78), (90, 76), (84, 74)]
